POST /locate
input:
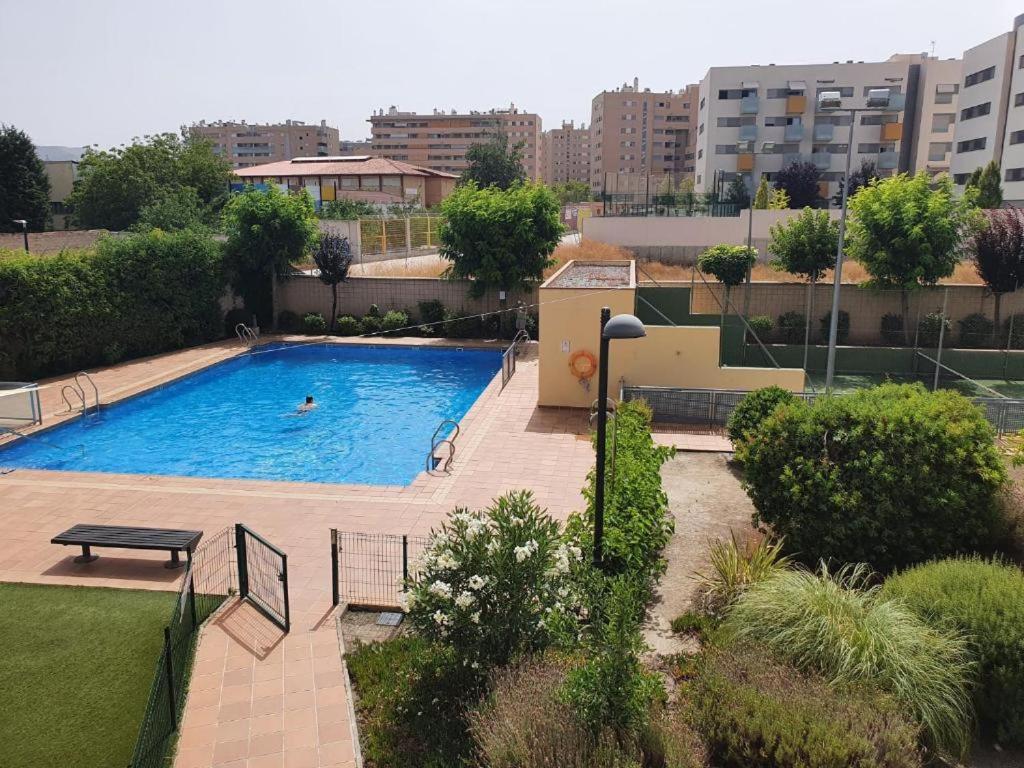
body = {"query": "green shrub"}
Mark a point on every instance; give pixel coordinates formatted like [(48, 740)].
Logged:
[(288, 321), (431, 312), (756, 713), (410, 703), (890, 476), (930, 327), (394, 320), (736, 565), (761, 325), (842, 327), (151, 292), (792, 327), (976, 331), (458, 326), (985, 600), (1013, 331), (314, 323), (840, 628), (892, 329), (346, 325), (695, 623), (371, 323), (373, 311), (754, 408), (637, 523)]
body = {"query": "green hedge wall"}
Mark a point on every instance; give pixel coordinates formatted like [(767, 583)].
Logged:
[(131, 296)]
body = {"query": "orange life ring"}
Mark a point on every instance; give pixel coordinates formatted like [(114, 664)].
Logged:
[(587, 369)]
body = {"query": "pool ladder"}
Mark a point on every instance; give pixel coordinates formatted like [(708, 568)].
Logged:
[(247, 335), (433, 460), (76, 391)]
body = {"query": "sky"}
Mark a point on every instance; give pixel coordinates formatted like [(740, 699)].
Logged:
[(105, 71)]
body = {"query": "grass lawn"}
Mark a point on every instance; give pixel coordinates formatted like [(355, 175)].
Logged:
[(76, 664)]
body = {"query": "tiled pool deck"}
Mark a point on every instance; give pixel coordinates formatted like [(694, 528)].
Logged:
[(259, 698)]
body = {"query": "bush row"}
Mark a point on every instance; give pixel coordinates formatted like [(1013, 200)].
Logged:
[(130, 296)]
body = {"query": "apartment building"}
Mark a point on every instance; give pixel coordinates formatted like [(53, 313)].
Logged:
[(248, 144), (566, 154), (439, 140), (639, 134), (990, 115), (354, 147), (61, 166), (756, 120)]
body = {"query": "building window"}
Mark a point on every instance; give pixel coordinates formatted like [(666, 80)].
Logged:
[(961, 178), (938, 150), (1020, 62), (1017, 137), (889, 88), (845, 91), (970, 145), (942, 122), (980, 76), (976, 111), (725, 149), (736, 93), (780, 120), (944, 92), (1014, 174), (1018, 100), (878, 119), (702, 102)]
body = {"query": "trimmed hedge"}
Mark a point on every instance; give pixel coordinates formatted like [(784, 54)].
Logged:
[(756, 713), (130, 296), (891, 476), (984, 600), (754, 408)]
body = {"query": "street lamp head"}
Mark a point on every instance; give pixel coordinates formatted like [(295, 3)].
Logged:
[(624, 327), (20, 221), (829, 100)]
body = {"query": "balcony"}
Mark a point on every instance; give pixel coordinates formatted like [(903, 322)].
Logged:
[(793, 132), (788, 158), (822, 160), (891, 132), (823, 131), (888, 160), (745, 162), (748, 132), (796, 105), (749, 105)]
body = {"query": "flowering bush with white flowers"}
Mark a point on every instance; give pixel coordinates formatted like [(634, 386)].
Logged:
[(495, 583)]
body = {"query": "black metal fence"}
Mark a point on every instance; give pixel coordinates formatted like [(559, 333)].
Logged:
[(372, 569), (208, 580), (263, 576), (655, 203), (508, 364), (712, 407)]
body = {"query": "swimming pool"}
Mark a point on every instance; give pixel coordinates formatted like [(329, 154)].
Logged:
[(377, 408)]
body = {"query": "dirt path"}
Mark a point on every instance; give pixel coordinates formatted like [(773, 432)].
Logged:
[(707, 501)]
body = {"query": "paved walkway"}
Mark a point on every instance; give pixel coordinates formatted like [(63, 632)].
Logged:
[(259, 698)]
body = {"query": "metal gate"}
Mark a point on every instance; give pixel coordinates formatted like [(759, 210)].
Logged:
[(371, 570), (262, 575)]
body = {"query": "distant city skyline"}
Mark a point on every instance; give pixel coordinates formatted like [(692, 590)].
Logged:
[(102, 73)]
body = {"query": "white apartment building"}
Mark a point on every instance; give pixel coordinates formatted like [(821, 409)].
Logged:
[(990, 118), (742, 108)]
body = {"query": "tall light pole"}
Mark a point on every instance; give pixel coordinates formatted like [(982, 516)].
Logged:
[(767, 148), (879, 100), (24, 230), (618, 327)]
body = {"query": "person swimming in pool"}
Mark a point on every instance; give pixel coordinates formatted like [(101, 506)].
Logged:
[(307, 406)]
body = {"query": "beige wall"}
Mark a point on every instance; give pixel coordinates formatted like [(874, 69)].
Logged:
[(666, 357)]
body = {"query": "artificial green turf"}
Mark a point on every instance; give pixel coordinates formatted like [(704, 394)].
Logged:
[(76, 665)]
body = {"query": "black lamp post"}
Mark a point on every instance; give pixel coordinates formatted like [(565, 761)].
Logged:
[(618, 327), (24, 230)]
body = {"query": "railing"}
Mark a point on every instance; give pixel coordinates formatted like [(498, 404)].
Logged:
[(208, 580), (432, 461), (95, 390), (373, 569), (666, 202), (75, 392), (508, 357), (19, 403), (76, 389), (246, 335)]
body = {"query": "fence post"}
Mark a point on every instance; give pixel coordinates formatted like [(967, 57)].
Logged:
[(243, 568), (192, 599), (942, 335), (169, 666), (408, 237), (405, 562), (335, 597), (284, 587)]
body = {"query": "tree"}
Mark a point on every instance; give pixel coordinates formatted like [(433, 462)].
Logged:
[(266, 231), (333, 257), (499, 238), (495, 162), (769, 197), (729, 264), (986, 182), (348, 210), (572, 192), (859, 178), (997, 249), (174, 210), (906, 234), (737, 193), (800, 182), (114, 186), (24, 188), (762, 196)]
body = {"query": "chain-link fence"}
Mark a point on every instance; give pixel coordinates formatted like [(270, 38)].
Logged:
[(404, 236)]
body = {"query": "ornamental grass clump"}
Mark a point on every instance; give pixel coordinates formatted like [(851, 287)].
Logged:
[(495, 584), (841, 628), (735, 565)]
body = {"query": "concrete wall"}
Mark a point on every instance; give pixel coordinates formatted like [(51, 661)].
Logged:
[(678, 240), (666, 357), (305, 294)]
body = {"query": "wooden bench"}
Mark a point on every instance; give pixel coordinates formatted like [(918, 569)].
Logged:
[(124, 537)]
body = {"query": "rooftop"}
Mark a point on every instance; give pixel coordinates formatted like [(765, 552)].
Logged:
[(355, 165), (604, 274)]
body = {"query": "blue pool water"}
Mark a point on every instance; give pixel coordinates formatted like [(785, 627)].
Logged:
[(377, 408)]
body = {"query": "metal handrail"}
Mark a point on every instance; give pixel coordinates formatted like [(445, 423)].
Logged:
[(77, 392), (451, 453), (246, 335), (81, 390), (435, 443), (521, 337)]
